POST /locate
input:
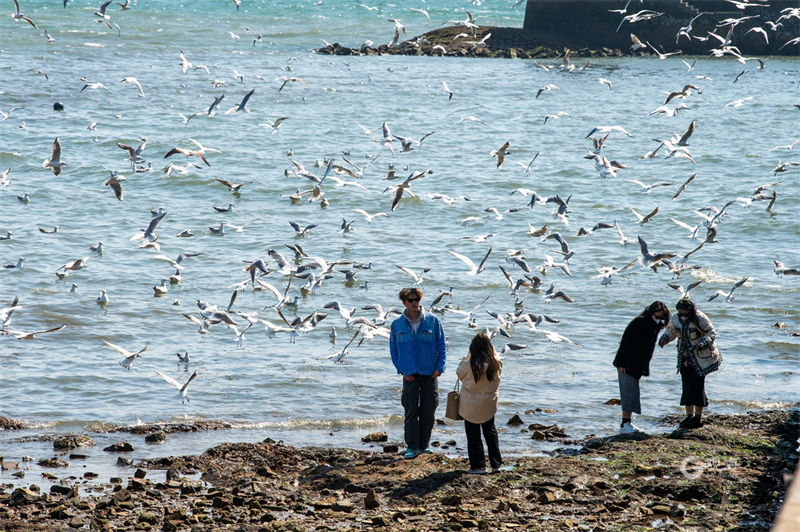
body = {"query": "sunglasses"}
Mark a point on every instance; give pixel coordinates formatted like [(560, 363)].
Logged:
[(413, 300)]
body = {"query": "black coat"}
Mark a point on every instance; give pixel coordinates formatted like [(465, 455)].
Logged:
[(636, 347)]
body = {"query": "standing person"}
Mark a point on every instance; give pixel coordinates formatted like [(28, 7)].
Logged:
[(633, 359), (479, 373), (697, 357), (418, 349)]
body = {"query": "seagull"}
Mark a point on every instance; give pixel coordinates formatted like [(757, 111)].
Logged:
[(115, 182), (287, 79), (134, 154), (472, 119), (604, 81), (644, 219), (729, 297), (242, 105), (185, 64), (187, 153), (135, 82), (607, 129), (649, 259), (75, 264), (447, 90), (781, 270), (645, 14), (418, 279), (684, 291), (103, 298), (19, 16), (339, 355), (683, 186), (647, 188), (551, 117), (21, 335), (545, 88), (556, 338), (129, 357), (182, 388), (474, 270), (551, 294), (48, 231), (369, 217), (301, 231), (501, 153), (54, 162)]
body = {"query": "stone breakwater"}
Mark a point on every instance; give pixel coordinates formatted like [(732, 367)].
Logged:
[(503, 42), (730, 474)]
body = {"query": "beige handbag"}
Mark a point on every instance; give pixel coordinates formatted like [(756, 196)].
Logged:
[(452, 403)]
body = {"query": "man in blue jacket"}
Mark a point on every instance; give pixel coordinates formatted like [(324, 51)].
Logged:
[(419, 351)]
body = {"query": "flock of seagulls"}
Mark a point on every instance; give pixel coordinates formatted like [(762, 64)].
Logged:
[(287, 283)]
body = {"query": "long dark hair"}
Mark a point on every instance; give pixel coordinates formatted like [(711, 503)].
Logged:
[(656, 306), (688, 306), (481, 353)]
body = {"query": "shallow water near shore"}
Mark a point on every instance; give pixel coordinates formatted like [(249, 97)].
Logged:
[(69, 382)]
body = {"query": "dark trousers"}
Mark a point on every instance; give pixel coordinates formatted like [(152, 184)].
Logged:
[(477, 460), (694, 388), (420, 399)]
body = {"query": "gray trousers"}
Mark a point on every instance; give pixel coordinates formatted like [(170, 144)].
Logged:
[(629, 393), (420, 399)]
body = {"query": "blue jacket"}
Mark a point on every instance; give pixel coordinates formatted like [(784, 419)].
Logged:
[(421, 353)]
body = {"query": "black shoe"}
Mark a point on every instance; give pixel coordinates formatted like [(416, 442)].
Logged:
[(687, 422), (695, 423)]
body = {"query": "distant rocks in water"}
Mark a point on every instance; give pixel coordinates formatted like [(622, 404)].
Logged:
[(156, 437), (504, 42), (58, 106), (515, 421), (613, 401), (10, 424), (52, 462), (68, 443), (375, 437), (121, 447), (171, 428)]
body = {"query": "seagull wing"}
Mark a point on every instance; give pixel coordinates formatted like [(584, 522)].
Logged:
[(466, 260), (173, 381)]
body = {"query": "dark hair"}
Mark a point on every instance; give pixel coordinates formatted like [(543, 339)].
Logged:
[(656, 306), (688, 305), (413, 291), (482, 353)]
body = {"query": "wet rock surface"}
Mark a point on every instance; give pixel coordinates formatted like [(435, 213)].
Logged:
[(726, 475)]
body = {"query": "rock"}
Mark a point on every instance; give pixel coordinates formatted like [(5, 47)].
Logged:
[(345, 505), (545, 497), (379, 520), (372, 500), (124, 461), (60, 490), (613, 401), (538, 435), (515, 421), (148, 518), (156, 437), (191, 486), (121, 495), (140, 473), (23, 496), (121, 447), (52, 462), (62, 512), (469, 523), (375, 437), (452, 500), (390, 448), (451, 443), (75, 522), (67, 443), (137, 484), (660, 509)]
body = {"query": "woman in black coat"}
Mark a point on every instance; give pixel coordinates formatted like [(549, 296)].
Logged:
[(633, 359)]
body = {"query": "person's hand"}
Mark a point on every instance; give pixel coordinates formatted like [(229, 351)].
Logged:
[(436, 374), (622, 370), (662, 342), (409, 378)]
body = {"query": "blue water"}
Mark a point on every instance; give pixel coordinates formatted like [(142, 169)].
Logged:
[(70, 381)]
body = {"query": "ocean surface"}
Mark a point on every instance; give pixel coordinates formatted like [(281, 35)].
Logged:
[(70, 381)]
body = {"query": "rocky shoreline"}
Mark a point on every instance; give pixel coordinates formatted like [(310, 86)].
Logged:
[(728, 475), (504, 42)]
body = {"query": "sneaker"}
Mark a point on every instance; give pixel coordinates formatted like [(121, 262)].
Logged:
[(410, 453), (628, 428), (479, 471), (426, 450)]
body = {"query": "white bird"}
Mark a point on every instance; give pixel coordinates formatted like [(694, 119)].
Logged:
[(129, 357), (135, 82), (646, 218), (369, 217), (729, 297), (474, 270), (418, 279), (21, 335), (162, 289), (647, 188), (557, 338), (182, 388), (54, 162), (103, 298)]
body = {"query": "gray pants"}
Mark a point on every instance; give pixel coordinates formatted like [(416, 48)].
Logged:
[(420, 399), (629, 393)]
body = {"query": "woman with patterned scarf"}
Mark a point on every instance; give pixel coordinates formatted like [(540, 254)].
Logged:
[(697, 357)]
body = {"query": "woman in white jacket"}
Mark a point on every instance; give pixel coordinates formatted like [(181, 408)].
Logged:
[(479, 373)]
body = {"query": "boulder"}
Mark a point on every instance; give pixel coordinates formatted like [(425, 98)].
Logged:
[(372, 500)]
